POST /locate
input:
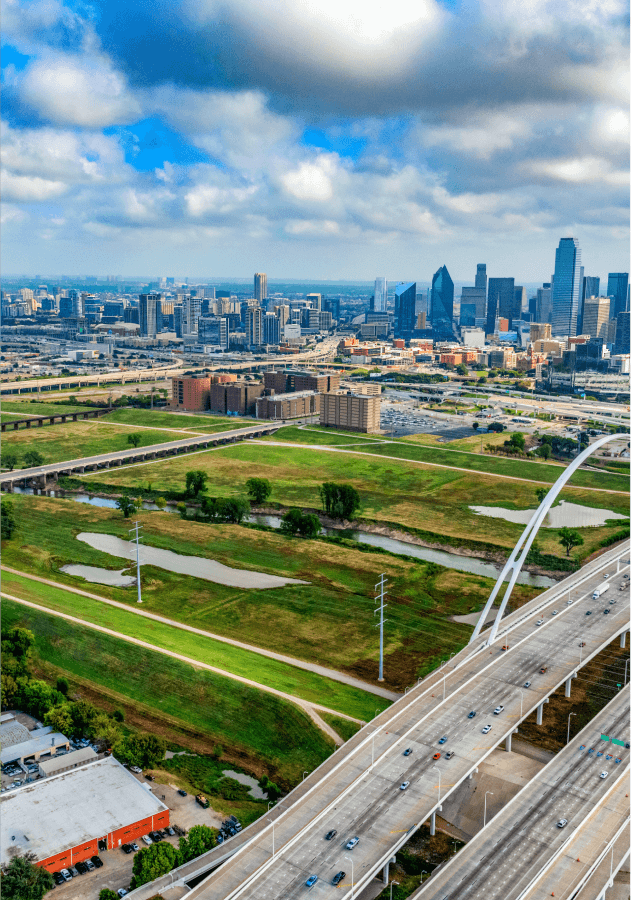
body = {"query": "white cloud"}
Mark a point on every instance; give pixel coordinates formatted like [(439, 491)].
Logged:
[(482, 139), (311, 181), (579, 170), (28, 188)]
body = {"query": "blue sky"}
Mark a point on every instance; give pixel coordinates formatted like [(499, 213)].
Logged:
[(314, 138)]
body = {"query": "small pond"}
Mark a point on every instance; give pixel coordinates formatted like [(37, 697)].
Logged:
[(565, 514), (252, 783), (112, 577)]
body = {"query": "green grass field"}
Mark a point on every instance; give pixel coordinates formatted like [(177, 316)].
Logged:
[(176, 421), (330, 620), (20, 408), (433, 499), (256, 727)]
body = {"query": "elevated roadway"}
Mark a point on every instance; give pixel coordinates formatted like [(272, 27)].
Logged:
[(37, 385), (357, 793), (522, 848)]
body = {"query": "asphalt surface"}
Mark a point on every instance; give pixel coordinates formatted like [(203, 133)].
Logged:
[(361, 798), (504, 858)]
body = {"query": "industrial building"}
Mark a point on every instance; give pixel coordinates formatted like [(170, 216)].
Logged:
[(62, 819), (350, 412), (41, 742), (54, 765)]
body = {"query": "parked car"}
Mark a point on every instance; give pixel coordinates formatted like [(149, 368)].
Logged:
[(170, 831), (73, 871), (66, 874), (126, 848), (58, 878), (554, 612), (539, 622), (134, 847), (90, 865), (182, 793), (607, 611), (330, 835), (146, 839), (97, 862), (137, 770), (121, 892), (337, 878), (588, 613)]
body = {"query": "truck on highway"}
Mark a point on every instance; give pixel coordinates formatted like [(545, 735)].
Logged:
[(600, 590)]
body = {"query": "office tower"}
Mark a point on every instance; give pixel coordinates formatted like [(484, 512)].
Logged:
[(532, 308), (271, 329), (543, 305), (442, 303), (380, 302), (332, 305), (591, 286), (326, 320), (622, 332), (566, 288), (71, 306), (596, 317), (480, 277), (540, 331), (177, 319), (467, 314), (404, 308), (260, 286), (500, 302), (131, 315), (253, 326), (191, 313), (475, 296), (316, 301), (213, 331), (618, 290), (148, 314), (521, 301)]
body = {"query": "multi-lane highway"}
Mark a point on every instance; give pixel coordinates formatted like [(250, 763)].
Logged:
[(361, 796), (510, 856)]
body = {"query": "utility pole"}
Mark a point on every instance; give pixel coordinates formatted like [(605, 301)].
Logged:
[(136, 530), (380, 587)]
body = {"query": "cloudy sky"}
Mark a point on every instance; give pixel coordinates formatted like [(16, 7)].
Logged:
[(331, 139)]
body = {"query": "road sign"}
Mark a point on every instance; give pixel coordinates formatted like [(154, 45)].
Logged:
[(605, 737), (616, 741)]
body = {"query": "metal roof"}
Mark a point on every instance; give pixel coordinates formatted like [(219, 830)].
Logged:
[(39, 741), (55, 763)]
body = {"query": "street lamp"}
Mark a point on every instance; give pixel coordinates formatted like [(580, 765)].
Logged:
[(352, 876), (438, 770), (392, 884), (303, 775), (270, 803), (568, 727), (492, 795)]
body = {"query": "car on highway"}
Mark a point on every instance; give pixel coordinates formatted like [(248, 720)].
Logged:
[(486, 729), (569, 602), (606, 612), (406, 784), (352, 843), (539, 622), (554, 612), (449, 754), (582, 644), (588, 613), (436, 756), (471, 714), (606, 575), (337, 878), (604, 774), (443, 739), (527, 684), (330, 835), (561, 823), (311, 880), (498, 710), (407, 752)]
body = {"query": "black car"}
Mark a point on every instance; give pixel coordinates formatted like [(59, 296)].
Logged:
[(339, 877), (471, 714), (126, 848), (330, 835), (149, 777), (81, 868), (607, 611), (588, 613), (182, 793), (98, 862), (58, 878)]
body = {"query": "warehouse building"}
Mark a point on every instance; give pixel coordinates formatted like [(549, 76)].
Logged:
[(40, 742), (65, 762), (63, 819), (350, 412)]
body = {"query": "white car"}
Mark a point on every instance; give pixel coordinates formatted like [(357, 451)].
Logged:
[(497, 711), (604, 774), (486, 729), (135, 769), (561, 823), (554, 612), (569, 602), (539, 622), (405, 786), (147, 840)]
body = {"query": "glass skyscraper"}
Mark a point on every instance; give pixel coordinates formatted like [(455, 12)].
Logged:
[(405, 308), (617, 289), (381, 295), (442, 303), (566, 288), (501, 302)]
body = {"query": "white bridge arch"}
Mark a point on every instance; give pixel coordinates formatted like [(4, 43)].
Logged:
[(519, 554)]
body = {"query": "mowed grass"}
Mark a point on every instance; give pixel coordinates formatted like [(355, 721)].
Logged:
[(177, 421), (18, 409), (329, 620), (260, 669), (398, 491), (259, 726)]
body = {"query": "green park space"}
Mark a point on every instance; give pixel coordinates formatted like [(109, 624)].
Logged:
[(155, 418), (17, 409), (329, 620), (254, 728), (400, 492)]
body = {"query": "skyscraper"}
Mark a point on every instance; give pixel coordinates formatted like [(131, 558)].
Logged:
[(214, 330), (271, 329), (521, 302), (442, 311), (148, 314), (566, 289), (404, 308), (260, 286), (316, 300), (71, 306), (381, 295), (480, 277), (500, 302), (618, 289), (591, 286), (622, 332), (543, 310), (596, 317), (474, 296), (191, 312), (253, 326)]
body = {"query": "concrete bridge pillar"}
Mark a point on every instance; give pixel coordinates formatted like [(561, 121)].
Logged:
[(540, 712), (568, 685), (509, 742), (40, 422), (386, 870), (28, 423), (472, 773), (623, 639), (432, 824)]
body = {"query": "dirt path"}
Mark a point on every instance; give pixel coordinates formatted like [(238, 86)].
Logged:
[(311, 709), (333, 674)]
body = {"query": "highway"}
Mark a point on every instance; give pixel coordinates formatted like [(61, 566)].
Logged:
[(360, 796), (124, 376), (510, 856)]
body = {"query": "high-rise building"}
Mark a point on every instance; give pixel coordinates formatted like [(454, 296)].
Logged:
[(500, 302), (480, 277), (380, 303), (521, 302), (191, 313), (260, 286), (442, 303), (543, 311), (596, 317), (404, 308), (332, 305), (71, 306), (591, 286), (213, 331), (149, 306), (618, 290), (253, 326), (566, 288), (475, 296), (271, 329), (622, 332), (316, 301)]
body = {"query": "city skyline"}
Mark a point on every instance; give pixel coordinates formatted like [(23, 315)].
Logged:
[(314, 140)]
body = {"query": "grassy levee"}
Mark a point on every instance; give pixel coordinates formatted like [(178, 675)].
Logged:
[(176, 421), (20, 409), (329, 620), (415, 495), (345, 728), (256, 726), (260, 669)]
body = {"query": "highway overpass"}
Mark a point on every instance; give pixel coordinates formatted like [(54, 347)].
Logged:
[(124, 376), (523, 848), (357, 790)]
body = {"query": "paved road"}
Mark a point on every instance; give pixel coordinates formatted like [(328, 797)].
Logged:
[(124, 376), (503, 860), (361, 796), (290, 660), (310, 708)]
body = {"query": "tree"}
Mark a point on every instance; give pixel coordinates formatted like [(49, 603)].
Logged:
[(22, 880), (258, 489), (196, 482), (542, 493), (144, 750), (341, 501), (496, 426), (475, 426), (9, 460), (152, 862), (134, 439), (108, 894), (569, 538), (127, 505), (517, 440), (200, 839), (161, 503), (18, 641), (62, 685), (461, 369), (545, 451), (60, 719), (297, 523), (32, 459)]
